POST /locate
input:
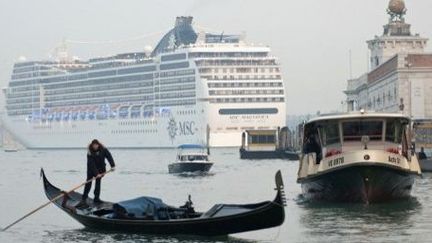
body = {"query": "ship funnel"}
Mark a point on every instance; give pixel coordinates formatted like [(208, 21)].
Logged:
[(181, 35), (183, 20)]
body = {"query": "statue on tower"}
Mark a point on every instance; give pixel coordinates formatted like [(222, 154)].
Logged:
[(396, 9)]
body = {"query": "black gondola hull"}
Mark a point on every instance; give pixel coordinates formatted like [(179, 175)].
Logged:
[(208, 227), (260, 216), (367, 184)]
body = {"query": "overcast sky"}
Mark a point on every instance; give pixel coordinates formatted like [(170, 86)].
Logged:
[(311, 38)]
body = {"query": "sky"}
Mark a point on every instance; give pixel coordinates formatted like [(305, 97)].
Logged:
[(311, 38)]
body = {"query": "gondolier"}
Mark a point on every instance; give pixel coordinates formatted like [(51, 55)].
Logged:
[(96, 155)]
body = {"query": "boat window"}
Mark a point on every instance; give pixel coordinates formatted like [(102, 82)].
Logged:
[(124, 112), (330, 133), (200, 157), (394, 131), (263, 139), (354, 130)]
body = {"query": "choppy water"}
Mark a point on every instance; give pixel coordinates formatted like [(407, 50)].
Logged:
[(144, 172)]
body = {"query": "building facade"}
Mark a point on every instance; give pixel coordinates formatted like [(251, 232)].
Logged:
[(400, 79), (401, 71)]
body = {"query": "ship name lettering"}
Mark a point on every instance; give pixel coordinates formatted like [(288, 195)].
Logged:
[(186, 128)]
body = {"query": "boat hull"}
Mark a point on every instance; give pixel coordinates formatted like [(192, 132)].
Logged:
[(275, 154), (426, 165), (367, 184), (267, 218), (185, 167)]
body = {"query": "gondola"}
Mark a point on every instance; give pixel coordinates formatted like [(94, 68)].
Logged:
[(221, 219)]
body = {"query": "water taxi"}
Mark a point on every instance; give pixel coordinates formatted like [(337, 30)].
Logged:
[(357, 157)]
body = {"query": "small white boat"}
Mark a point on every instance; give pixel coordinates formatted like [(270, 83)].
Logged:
[(425, 161), (191, 158), (10, 150), (426, 165)]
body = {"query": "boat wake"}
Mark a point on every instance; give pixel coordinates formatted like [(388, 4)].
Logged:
[(194, 174)]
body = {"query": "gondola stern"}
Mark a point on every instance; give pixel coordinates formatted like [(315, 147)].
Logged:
[(50, 190), (280, 197), (42, 174), (46, 183)]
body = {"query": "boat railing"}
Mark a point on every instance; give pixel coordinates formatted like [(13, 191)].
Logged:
[(192, 157)]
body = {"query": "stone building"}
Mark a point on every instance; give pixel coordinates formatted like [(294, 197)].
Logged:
[(400, 79)]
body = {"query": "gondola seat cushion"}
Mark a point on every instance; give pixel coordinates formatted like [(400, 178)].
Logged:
[(141, 207)]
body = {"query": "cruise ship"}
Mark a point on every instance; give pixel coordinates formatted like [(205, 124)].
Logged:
[(193, 87)]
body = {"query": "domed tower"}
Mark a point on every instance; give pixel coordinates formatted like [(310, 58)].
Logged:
[(396, 38)]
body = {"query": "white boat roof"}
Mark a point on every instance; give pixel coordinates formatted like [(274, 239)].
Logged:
[(193, 153), (356, 114)]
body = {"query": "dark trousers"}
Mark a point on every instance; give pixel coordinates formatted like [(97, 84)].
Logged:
[(88, 187)]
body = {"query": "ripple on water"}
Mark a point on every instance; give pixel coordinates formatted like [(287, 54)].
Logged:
[(359, 221), (84, 235), (68, 171)]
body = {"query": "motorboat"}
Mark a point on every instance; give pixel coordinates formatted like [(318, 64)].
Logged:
[(191, 158), (357, 157)]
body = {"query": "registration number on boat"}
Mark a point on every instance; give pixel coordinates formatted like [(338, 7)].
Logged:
[(394, 160), (336, 162)]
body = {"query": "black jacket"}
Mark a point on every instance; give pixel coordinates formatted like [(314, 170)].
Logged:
[(96, 161)]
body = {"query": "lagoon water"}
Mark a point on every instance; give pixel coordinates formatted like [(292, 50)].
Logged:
[(144, 172)]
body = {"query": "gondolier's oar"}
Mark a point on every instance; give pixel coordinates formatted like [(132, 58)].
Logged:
[(54, 199)]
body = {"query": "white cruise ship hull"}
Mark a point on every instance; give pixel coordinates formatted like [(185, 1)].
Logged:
[(128, 133), (157, 132)]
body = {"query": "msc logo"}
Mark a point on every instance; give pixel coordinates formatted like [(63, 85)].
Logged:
[(172, 128), (184, 128)]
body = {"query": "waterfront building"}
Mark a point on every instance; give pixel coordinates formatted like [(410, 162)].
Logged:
[(400, 79)]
